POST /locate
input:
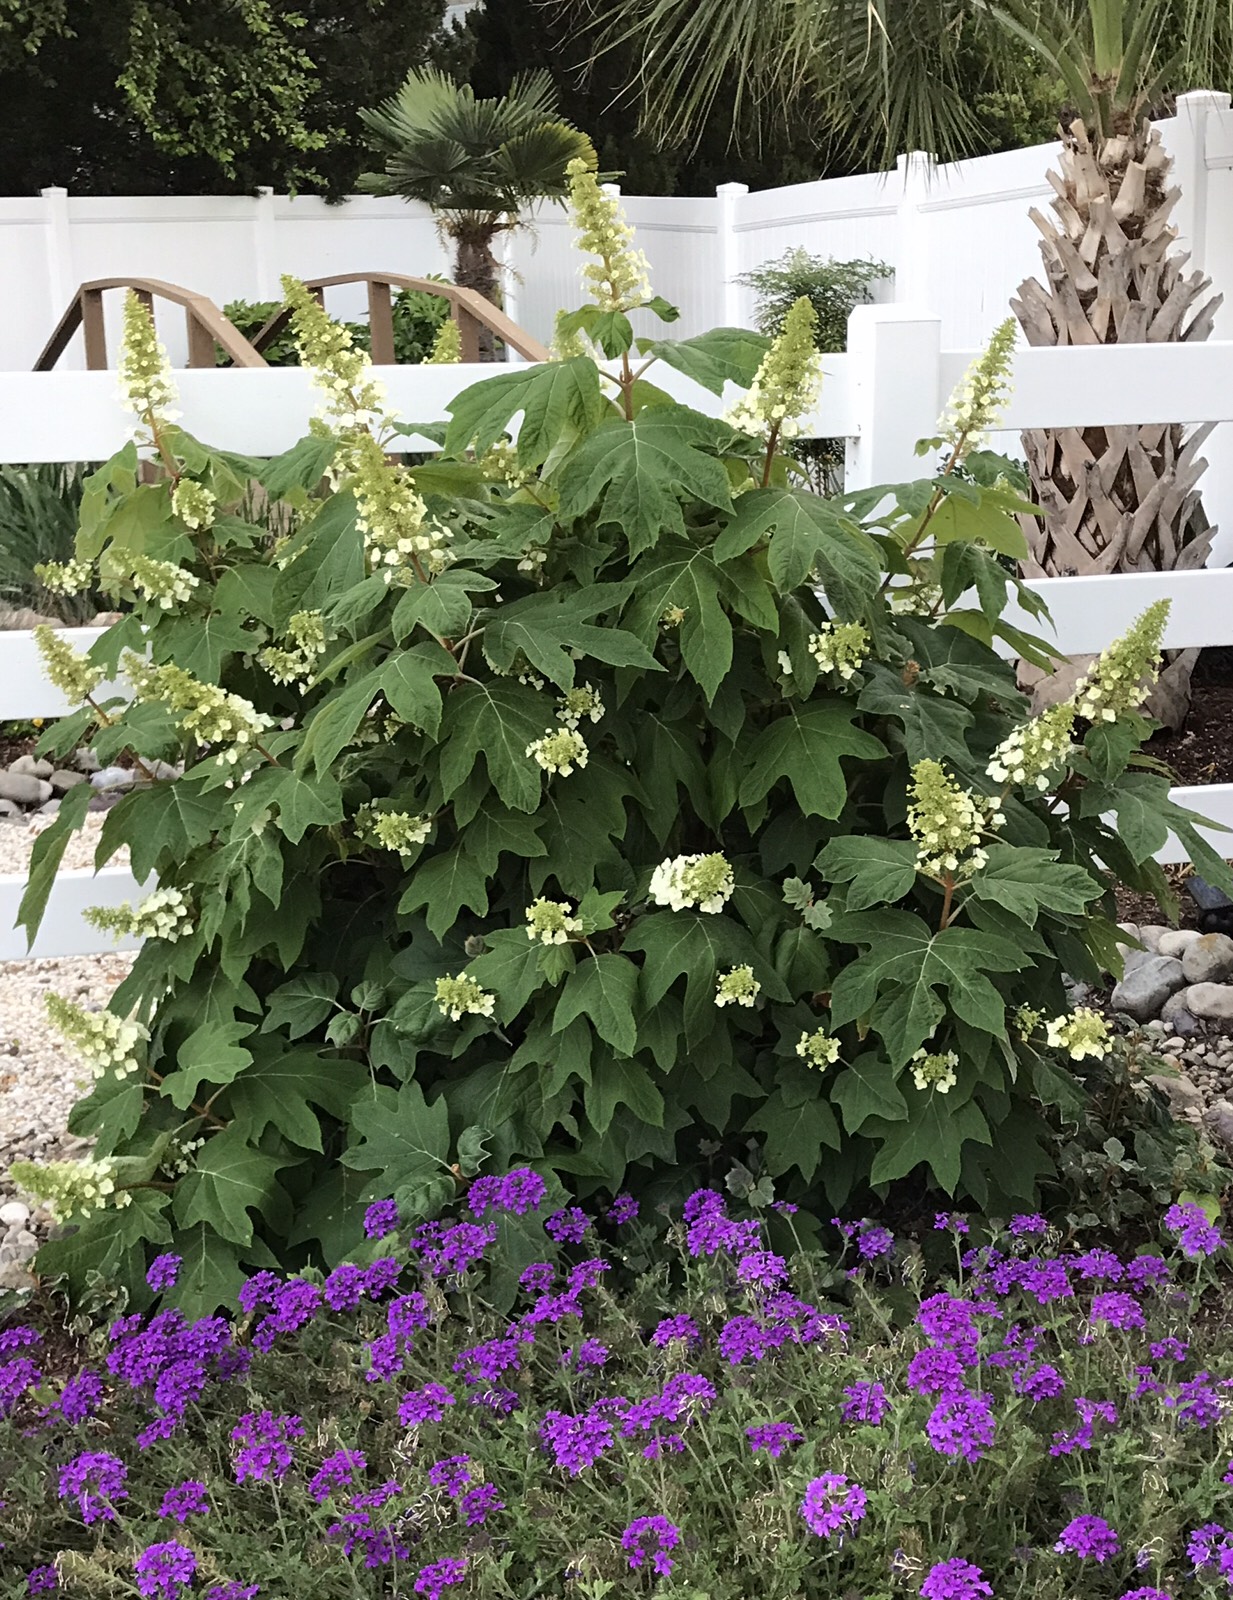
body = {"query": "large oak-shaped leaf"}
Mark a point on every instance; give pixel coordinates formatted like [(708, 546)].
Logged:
[(806, 534), (635, 474), (896, 983), (805, 745)]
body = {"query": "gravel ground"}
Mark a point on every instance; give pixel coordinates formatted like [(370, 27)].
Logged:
[(39, 1079)]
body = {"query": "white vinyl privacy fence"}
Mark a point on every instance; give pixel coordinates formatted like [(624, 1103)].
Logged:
[(882, 396)]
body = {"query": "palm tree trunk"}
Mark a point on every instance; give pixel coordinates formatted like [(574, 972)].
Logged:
[(1116, 499), (476, 267)]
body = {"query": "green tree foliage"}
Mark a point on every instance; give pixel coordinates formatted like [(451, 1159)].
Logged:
[(881, 77), (173, 96), (592, 796)]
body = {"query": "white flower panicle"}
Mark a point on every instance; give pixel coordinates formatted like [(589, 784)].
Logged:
[(104, 1041), (446, 345), (297, 661), (575, 704), (788, 381), (935, 1070), (559, 751), (161, 915), (393, 830), (162, 581), (1083, 1033), (1027, 1020), (567, 342), (551, 921), (1122, 678), (820, 1049), (73, 673), (194, 504), (737, 987), (146, 387), (393, 518), (686, 883), (65, 577), (354, 400), (977, 404), (1030, 755), (206, 712), (673, 617), (460, 997), (71, 1190), (840, 647), (948, 822), (620, 279)]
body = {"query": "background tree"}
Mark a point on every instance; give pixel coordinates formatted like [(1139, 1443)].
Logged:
[(177, 97), (477, 162)]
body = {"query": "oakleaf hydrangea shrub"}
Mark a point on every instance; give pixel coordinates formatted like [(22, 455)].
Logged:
[(739, 1420), (592, 796)]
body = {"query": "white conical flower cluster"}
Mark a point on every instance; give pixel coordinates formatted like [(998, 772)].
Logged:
[(686, 882), (948, 822)]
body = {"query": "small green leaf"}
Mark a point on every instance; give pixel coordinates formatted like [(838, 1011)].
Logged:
[(805, 745), (794, 1136), (46, 857), (409, 682), (301, 1004), (230, 1179), (443, 607), (614, 1083), (724, 355)]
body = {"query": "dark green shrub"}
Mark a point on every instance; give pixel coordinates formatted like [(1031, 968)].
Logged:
[(417, 316), (540, 808)]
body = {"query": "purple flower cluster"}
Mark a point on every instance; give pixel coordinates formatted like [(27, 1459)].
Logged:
[(650, 1539), (1196, 1235), (773, 1437), (96, 1480), (832, 1505), (1090, 1538), (164, 1571), (265, 1441), (954, 1580)]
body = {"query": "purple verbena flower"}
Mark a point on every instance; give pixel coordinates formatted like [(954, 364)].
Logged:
[(1196, 1236), (874, 1241), (762, 1270), (16, 1376), (934, 1371), (232, 1591), (381, 1218), (1205, 1545), (955, 1579), (678, 1327), (1146, 1594), (1196, 1403), (1024, 1224), (522, 1191), (866, 1402), (96, 1481), (961, 1424), (951, 1222), (479, 1503), (435, 1578), (1044, 1382), (589, 1353), (424, 1405), (833, 1505), (42, 1580), (1089, 1538), (184, 1500), (80, 1396), (266, 1441), (451, 1474), (344, 1288), (623, 1209), (538, 1278), (1119, 1310), (337, 1471), (164, 1270), (568, 1226), (773, 1437), (163, 1570), (576, 1442), (651, 1538)]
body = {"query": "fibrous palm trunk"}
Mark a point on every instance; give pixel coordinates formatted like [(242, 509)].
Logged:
[(476, 267), (1115, 499)]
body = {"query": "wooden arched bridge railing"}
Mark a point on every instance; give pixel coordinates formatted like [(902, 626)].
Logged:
[(468, 308), (207, 326)]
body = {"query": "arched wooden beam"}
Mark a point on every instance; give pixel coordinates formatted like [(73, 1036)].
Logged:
[(207, 325), (468, 308)]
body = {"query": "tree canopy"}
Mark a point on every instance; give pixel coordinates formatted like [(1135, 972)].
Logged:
[(216, 96)]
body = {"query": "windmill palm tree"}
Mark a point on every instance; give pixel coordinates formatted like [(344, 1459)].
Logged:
[(889, 73), (476, 162)]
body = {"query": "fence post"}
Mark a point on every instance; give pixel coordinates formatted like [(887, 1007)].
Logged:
[(265, 251), (729, 195), (1188, 146), (911, 245), (61, 276), (894, 373), (509, 286)]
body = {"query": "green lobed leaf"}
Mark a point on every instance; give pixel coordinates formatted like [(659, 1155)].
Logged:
[(210, 1055), (559, 402), (794, 1135), (806, 745), (806, 533), (1025, 882), (634, 475), (604, 989), (230, 1179), (723, 355), (46, 857), (880, 871)]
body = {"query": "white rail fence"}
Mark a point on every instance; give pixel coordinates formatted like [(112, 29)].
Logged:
[(882, 396)]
